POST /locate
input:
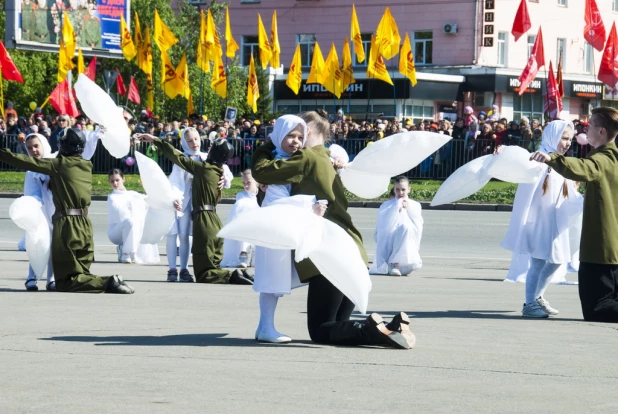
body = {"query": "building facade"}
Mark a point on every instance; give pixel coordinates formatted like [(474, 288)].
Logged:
[(463, 49)]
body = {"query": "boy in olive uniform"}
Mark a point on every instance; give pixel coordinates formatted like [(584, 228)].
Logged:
[(40, 23), (207, 248), (26, 20), (72, 247), (598, 268), (91, 32)]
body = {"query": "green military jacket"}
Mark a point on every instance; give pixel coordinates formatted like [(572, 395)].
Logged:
[(599, 242), (206, 176), (91, 32), (40, 25), (311, 172), (27, 21), (70, 177)]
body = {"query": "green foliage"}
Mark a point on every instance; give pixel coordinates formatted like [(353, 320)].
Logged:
[(39, 69)]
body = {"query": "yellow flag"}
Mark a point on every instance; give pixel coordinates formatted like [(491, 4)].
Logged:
[(355, 35), (406, 61), (387, 36), (274, 43), (218, 82), (265, 51), (138, 41), (170, 82), (126, 43), (212, 39), (295, 75), (346, 67), (376, 68), (332, 76), (253, 90), (190, 108), (150, 89), (317, 65), (182, 74), (81, 67), (230, 44), (144, 60), (163, 36), (68, 36), (202, 47), (65, 63)]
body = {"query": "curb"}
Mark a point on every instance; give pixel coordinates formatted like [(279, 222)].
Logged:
[(358, 204)]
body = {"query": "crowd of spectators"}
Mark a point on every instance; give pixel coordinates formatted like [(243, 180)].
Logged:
[(473, 135)]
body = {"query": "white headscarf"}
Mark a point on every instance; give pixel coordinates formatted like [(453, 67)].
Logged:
[(282, 128), (552, 134), (47, 151), (185, 146)]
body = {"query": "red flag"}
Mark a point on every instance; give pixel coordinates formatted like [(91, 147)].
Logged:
[(63, 99), (120, 88), (553, 102), (133, 92), (535, 62), (522, 23), (594, 31), (559, 78), (91, 71), (608, 71), (9, 70)]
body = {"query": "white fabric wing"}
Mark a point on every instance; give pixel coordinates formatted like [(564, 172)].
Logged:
[(27, 213), (363, 184), (513, 165), (100, 107), (337, 151), (465, 181), (156, 225)]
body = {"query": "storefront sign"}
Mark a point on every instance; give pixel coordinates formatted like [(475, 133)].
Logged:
[(489, 18), (586, 90), (535, 87)]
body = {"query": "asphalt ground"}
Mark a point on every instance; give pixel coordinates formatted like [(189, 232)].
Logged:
[(188, 348)]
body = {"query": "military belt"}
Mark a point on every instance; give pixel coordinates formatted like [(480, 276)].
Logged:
[(70, 212), (207, 207)]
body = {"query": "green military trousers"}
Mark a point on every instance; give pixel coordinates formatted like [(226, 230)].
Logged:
[(207, 249)]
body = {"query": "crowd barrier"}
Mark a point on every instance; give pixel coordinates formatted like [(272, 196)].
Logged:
[(437, 166)]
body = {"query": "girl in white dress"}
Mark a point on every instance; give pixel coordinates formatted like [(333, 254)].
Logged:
[(181, 231), (126, 212), (37, 185), (543, 223), (275, 273)]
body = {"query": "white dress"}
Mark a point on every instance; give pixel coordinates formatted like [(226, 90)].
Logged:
[(245, 201), (398, 237), (274, 269), (545, 227), (126, 214)]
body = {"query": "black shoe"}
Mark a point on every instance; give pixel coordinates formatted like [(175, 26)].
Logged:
[(31, 285), (115, 284), (51, 286), (238, 278), (249, 274), (401, 324), (185, 276), (383, 335)]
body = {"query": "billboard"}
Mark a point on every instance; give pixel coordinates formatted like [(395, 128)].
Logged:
[(37, 24)]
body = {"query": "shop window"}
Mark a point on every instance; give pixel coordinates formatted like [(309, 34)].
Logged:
[(588, 57), (563, 3), (387, 110), (307, 45), (528, 105), (423, 48), (420, 110), (366, 38), (561, 51), (288, 109), (502, 48), (250, 47)]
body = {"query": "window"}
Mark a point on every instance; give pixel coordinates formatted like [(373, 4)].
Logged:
[(563, 3), (561, 51), (588, 58), (528, 105), (615, 5), (420, 110), (307, 44), (288, 109), (502, 51), (423, 48), (531, 40), (250, 47), (366, 38)]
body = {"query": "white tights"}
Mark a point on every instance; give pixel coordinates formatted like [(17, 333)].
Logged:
[(185, 247), (538, 278), (268, 305)]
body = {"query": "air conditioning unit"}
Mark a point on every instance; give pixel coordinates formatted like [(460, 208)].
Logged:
[(450, 29)]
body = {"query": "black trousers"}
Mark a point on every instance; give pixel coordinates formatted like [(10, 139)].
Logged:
[(598, 292), (328, 316)]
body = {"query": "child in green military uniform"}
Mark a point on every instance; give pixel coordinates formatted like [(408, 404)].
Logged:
[(598, 267), (40, 23), (207, 248), (91, 31), (72, 246), (27, 20)]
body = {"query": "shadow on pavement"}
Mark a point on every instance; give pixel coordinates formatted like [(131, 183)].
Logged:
[(218, 339), (465, 278), (474, 314)]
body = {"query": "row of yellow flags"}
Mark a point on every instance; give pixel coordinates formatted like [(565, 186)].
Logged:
[(175, 80)]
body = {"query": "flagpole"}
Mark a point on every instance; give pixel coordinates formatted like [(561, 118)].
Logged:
[(227, 83), (202, 94), (545, 97)]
